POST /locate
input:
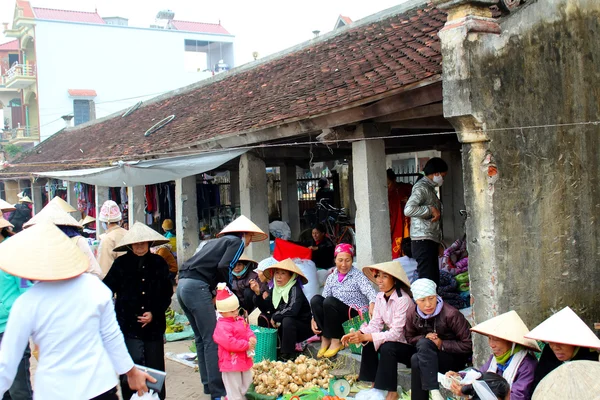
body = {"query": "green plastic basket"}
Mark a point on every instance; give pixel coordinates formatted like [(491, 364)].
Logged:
[(355, 324), (252, 395), (266, 343)]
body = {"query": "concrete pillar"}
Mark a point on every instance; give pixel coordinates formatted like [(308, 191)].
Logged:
[(101, 195), (234, 185), (290, 209), (36, 194), (372, 213), (351, 199), (136, 197), (72, 199), (253, 200), (11, 189), (186, 216)]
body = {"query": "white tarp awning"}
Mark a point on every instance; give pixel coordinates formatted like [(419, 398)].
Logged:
[(147, 172)]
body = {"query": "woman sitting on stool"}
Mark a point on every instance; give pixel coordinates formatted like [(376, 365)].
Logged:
[(442, 337), (346, 287), (383, 338)]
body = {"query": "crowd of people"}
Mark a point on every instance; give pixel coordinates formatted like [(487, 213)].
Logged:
[(92, 317)]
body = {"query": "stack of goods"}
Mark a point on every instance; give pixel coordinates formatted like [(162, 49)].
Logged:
[(448, 290), (454, 276)]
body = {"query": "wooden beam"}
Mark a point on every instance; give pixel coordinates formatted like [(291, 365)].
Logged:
[(423, 123), (429, 110), (431, 93)]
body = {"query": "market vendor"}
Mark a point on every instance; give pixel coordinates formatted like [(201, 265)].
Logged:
[(285, 307), (140, 281), (243, 273), (346, 290), (69, 315), (568, 338), (198, 278), (441, 336), (383, 337), (511, 354), (110, 216), (322, 248), (88, 231)]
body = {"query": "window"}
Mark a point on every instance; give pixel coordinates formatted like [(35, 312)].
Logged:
[(83, 111)]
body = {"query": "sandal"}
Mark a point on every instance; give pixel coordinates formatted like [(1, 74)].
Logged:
[(322, 352), (332, 352)]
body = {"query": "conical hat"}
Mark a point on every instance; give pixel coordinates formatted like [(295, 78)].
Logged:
[(140, 233), (508, 326), (54, 214), (4, 223), (243, 225), (42, 253), (288, 265), (572, 380), (25, 199), (87, 220), (66, 207), (5, 206), (393, 268), (244, 257), (565, 327)]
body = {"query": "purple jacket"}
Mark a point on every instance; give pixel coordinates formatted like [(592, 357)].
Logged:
[(523, 383)]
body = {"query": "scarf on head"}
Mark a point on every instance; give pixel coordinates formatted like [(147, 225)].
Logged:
[(283, 292), (438, 309)]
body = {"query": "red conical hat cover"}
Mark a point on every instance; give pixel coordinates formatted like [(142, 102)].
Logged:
[(565, 327), (284, 250)]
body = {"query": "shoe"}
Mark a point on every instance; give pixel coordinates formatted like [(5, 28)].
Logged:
[(332, 352), (322, 352)]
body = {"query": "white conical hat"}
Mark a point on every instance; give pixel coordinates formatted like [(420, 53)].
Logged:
[(54, 214), (393, 268), (140, 233), (5, 206), (572, 380), (42, 253), (243, 225), (66, 207), (287, 265), (565, 327), (87, 220), (508, 326), (25, 199)]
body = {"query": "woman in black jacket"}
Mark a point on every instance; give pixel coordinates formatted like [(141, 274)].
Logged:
[(285, 306), (140, 281), (322, 248)]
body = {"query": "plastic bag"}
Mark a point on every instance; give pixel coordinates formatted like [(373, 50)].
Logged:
[(146, 396), (371, 394), (280, 230), (309, 269)]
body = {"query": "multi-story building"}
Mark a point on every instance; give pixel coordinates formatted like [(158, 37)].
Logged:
[(78, 65)]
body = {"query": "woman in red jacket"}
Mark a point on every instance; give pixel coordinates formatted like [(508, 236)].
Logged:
[(441, 335)]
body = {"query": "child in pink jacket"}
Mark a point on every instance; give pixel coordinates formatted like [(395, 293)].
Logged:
[(236, 342)]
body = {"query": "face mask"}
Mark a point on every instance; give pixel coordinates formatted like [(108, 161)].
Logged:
[(438, 180), (105, 226)]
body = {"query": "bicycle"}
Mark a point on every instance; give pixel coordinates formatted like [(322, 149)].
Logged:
[(336, 221)]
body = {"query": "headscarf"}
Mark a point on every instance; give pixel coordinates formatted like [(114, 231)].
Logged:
[(422, 288), (283, 292), (343, 248)]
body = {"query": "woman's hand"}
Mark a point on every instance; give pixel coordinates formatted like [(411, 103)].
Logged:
[(254, 287), (314, 327), (371, 310), (136, 380), (456, 388), (435, 339), (356, 338), (313, 248), (145, 319)]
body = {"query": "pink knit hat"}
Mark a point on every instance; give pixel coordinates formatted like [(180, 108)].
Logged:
[(110, 212)]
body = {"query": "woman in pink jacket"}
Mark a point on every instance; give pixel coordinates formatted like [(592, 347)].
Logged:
[(236, 345), (383, 338)]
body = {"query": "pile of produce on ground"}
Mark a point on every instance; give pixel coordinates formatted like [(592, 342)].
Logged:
[(274, 378), (172, 325)]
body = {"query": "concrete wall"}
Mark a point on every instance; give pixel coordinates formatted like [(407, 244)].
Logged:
[(534, 242)]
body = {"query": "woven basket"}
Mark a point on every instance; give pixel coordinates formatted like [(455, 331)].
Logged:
[(355, 324), (266, 343)]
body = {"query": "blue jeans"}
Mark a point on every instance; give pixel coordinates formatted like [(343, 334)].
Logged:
[(195, 299), (21, 387)]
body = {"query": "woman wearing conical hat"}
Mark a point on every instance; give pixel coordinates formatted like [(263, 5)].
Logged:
[(243, 273), (511, 354), (21, 214), (285, 307), (572, 380), (70, 227), (110, 215), (198, 277), (383, 337), (140, 281), (69, 315), (568, 338)]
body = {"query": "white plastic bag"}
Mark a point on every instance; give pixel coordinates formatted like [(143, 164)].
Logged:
[(371, 394), (280, 230), (146, 396), (309, 269)]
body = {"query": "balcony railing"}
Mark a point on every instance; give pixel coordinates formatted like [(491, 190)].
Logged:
[(21, 135), (20, 76)]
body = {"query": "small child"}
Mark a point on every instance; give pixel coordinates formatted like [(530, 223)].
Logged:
[(236, 343)]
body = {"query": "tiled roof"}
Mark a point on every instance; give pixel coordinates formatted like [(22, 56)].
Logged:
[(198, 27), (12, 45), (26, 7), (68, 15), (347, 20), (82, 93), (329, 74)]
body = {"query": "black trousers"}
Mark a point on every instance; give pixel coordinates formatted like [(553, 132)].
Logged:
[(110, 395), (426, 253), (330, 313), (381, 366), (149, 353), (426, 363), (247, 301), (291, 331)]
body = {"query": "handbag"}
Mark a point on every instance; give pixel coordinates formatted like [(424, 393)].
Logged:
[(355, 324), (266, 343)]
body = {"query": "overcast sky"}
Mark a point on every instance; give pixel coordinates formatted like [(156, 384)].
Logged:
[(266, 26)]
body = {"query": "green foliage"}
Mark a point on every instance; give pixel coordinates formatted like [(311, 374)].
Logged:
[(12, 149)]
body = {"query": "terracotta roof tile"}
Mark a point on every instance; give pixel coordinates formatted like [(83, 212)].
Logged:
[(8, 46), (326, 75), (26, 7), (68, 15), (82, 93), (198, 27)]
